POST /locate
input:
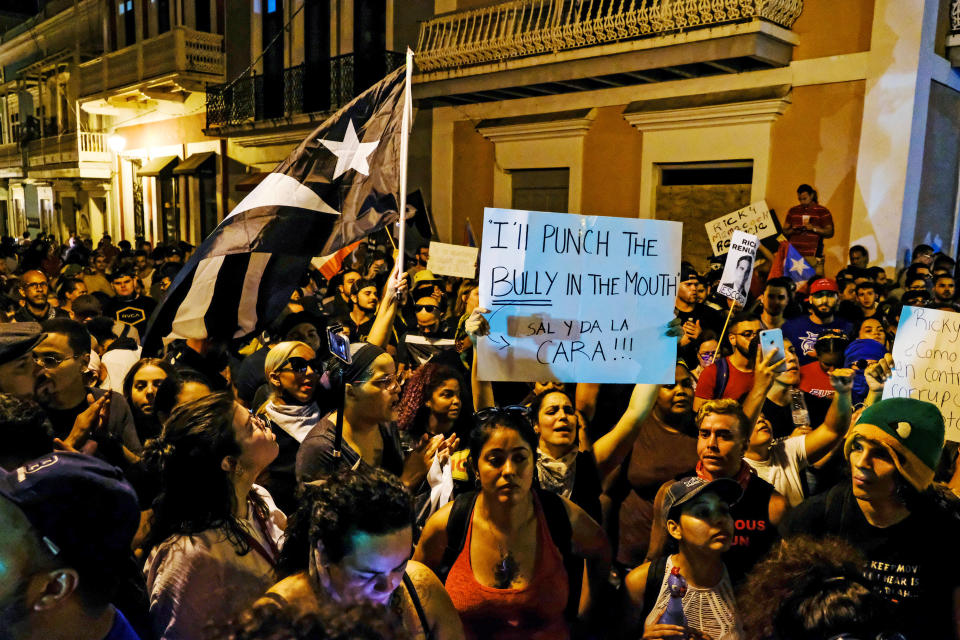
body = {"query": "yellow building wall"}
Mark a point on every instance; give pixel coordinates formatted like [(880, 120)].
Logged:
[(611, 166), (833, 27), (164, 133), (472, 179), (816, 142)]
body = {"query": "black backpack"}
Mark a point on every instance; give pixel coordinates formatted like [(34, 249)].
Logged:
[(558, 522)]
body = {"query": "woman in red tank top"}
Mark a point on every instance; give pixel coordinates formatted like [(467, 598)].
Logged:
[(508, 581)]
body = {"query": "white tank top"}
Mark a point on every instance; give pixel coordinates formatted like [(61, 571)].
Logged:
[(712, 611)]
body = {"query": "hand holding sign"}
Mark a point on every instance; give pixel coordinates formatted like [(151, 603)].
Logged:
[(754, 219)]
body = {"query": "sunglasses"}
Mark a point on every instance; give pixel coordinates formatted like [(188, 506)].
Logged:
[(51, 360), (429, 308), (300, 365), (513, 411)]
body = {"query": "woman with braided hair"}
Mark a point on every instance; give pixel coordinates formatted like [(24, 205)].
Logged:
[(214, 535)]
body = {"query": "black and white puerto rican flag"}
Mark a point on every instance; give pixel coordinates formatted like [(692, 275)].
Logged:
[(339, 185)]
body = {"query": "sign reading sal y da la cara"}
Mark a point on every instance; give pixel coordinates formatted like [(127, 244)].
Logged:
[(578, 298), (754, 219), (926, 355)]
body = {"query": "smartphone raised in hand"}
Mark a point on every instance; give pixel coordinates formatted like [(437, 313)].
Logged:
[(773, 339)]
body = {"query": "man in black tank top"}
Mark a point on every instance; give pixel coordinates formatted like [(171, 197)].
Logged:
[(722, 435)]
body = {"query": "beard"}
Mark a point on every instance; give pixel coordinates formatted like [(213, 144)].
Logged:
[(750, 353), (14, 611), (823, 315)]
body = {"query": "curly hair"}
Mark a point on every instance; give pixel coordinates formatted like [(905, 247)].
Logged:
[(196, 494), (418, 389), (331, 621), (335, 506), (810, 589)]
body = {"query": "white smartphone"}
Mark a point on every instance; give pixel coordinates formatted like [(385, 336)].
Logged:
[(773, 339)]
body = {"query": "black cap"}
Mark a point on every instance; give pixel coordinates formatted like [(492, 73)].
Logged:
[(18, 338), (687, 489)]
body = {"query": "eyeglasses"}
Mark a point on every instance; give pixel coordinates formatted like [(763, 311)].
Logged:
[(429, 308), (51, 360), (299, 365), (35, 285), (513, 411), (386, 382), (747, 334)]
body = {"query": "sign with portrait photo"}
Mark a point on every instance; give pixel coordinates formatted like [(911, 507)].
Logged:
[(738, 269)]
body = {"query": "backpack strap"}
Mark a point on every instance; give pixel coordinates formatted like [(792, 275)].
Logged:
[(457, 524), (417, 605), (723, 376), (651, 593), (561, 533)]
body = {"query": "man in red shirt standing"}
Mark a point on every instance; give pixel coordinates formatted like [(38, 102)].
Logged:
[(808, 223), (732, 377)]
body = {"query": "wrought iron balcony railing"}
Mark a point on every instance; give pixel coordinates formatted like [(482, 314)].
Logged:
[(955, 17), (528, 27), (298, 90)]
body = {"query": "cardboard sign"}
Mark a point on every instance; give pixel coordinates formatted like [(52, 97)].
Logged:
[(926, 353), (453, 260), (578, 298), (738, 269), (754, 219)]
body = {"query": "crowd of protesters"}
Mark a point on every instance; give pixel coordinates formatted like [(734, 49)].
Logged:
[(272, 490)]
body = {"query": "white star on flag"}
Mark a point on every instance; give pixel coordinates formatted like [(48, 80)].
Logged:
[(350, 152), (799, 266)]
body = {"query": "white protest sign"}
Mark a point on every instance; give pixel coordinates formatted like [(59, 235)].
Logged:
[(754, 219), (737, 270), (453, 260), (926, 354), (578, 298)]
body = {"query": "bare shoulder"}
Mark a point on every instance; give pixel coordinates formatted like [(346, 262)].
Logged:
[(425, 580), (636, 583)]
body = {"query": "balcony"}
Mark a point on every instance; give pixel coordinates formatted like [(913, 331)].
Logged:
[(953, 39), (300, 95), (69, 155), (165, 68), (11, 161), (527, 48)]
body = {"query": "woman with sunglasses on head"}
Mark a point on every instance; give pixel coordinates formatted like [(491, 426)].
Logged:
[(349, 543), (504, 550), (214, 535), (685, 592), (292, 373), (565, 465)]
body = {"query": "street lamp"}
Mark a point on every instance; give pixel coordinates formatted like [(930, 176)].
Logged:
[(117, 143)]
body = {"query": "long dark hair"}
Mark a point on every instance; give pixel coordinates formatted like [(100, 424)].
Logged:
[(414, 412), (196, 494)]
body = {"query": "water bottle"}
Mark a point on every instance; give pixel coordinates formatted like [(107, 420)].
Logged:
[(801, 417)]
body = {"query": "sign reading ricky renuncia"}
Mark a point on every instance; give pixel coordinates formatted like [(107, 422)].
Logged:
[(578, 298)]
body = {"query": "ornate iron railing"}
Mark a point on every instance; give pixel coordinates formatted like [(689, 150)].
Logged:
[(528, 27), (955, 16), (297, 90)]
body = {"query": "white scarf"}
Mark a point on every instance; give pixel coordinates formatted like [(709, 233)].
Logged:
[(296, 420), (557, 474)]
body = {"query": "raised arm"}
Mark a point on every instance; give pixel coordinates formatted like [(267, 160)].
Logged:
[(586, 399), (477, 326), (611, 450), (764, 374), (821, 440), (589, 542), (394, 291), (876, 376)]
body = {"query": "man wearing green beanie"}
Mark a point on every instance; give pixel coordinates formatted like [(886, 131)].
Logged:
[(889, 512)]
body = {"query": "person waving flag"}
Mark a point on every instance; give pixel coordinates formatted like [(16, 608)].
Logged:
[(342, 183)]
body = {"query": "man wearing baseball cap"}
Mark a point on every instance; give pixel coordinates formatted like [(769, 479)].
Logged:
[(18, 371), (803, 331), (891, 514), (66, 524)]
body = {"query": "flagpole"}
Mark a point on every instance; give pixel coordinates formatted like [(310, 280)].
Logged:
[(404, 146)]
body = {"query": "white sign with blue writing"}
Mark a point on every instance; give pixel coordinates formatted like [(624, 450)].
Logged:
[(578, 298)]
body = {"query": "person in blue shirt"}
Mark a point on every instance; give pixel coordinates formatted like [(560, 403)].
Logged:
[(66, 525), (803, 331)]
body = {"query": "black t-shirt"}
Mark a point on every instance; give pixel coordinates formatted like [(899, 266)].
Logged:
[(781, 418), (132, 311), (913, 564), (315, 455)]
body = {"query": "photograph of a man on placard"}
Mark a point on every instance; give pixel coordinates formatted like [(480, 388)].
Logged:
[(738, 269)]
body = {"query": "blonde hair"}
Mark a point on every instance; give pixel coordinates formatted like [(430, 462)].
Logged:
[(726, 407), (279, 353)]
